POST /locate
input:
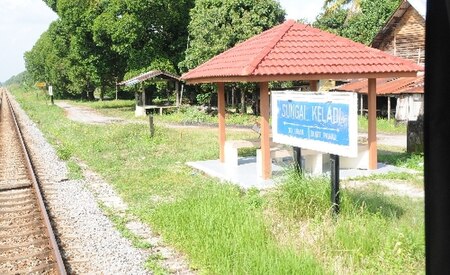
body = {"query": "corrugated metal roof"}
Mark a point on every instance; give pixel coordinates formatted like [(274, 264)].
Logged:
[(387, 86), (297, 50), (149, 75)]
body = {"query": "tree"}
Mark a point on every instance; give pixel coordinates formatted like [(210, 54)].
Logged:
[(218, 25), (360, 26), (51, 3), (47, 60), (105, 39), (145, 35), (353, 6), (143, 30)]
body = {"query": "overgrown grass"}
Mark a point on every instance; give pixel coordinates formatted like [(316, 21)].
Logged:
[(383, 126), (200, 221), (193, 115), (378, 234), (224, 230)]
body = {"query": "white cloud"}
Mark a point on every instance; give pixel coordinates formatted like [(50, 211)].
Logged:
[(21, 23), (298, 9)]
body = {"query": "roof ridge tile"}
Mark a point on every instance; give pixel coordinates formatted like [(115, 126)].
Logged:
[(284, 28)]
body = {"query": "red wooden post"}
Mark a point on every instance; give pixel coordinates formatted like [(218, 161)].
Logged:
[(314, 85), (265, 130), (221, 107), (372, 114)]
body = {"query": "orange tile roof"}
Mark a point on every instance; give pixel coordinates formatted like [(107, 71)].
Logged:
[(387, 86), (293, 51)]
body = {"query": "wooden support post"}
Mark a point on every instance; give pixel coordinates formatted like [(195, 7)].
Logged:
[(362, 104), (314, 85), (181, 94), (389, 107), (221, 107), (265, 130), (177, 93), (143, 95), (372, 117), (152, 126), (117, 90)]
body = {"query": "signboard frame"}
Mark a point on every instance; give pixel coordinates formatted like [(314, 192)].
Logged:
[(320, 121)]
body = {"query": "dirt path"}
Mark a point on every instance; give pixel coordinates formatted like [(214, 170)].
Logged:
[(386, 139), (85, 114)]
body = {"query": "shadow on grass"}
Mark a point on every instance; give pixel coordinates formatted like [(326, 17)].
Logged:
[(117, 107), (375, 203)]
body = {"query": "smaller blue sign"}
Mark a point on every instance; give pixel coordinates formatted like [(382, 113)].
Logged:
[(321, 121)]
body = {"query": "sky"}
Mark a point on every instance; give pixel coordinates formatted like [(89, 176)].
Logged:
[(23, 21)]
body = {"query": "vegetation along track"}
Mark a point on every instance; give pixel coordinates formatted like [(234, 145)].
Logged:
[(27, 242)]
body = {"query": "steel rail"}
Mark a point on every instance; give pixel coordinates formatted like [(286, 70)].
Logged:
[(37, 190)]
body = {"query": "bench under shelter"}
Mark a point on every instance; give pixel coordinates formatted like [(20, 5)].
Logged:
[(143, 96)]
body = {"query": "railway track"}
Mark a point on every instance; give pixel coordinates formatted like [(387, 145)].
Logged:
[(27, 242)]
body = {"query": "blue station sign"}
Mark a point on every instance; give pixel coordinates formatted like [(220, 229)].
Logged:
[(325, 122)]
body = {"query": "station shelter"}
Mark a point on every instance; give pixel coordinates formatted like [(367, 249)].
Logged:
[(143, 97), (293, 51)]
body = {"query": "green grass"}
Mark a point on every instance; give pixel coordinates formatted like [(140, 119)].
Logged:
[(402, 159), (415, 180), (383, 126), (224, 230)]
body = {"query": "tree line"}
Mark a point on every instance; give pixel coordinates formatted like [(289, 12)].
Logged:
[(96, 43)]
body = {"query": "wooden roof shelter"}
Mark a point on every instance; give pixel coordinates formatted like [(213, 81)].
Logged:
[(387, 86), (293, 51), (154, 74)]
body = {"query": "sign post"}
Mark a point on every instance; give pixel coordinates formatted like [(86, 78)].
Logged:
[(50, 93), (335, 200), (325, 122)]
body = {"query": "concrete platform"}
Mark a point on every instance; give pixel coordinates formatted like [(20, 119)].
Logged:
[(244, 175)]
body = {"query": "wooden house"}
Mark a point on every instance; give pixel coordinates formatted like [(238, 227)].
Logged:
[(403, 35)]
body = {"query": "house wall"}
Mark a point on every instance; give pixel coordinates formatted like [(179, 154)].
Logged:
[(407, 40), (409, 107)]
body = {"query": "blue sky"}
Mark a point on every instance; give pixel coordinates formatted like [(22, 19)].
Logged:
[(23, 21)]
